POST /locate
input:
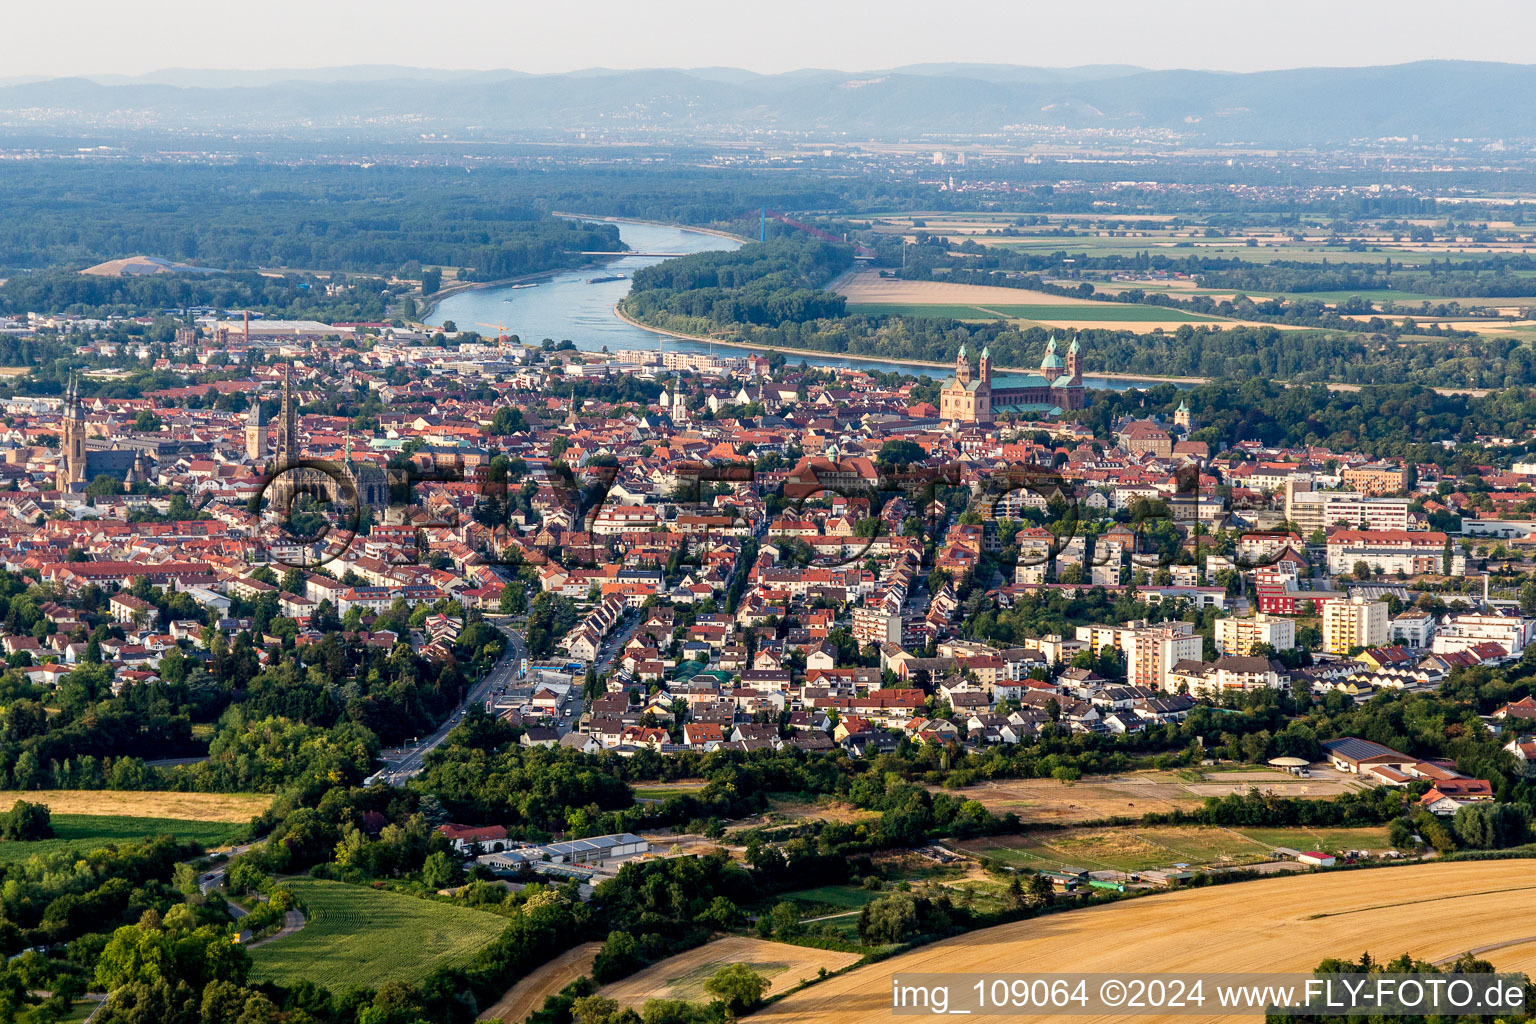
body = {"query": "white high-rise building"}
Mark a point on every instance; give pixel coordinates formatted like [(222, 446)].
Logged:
[(1354, 623), (1238, 636)]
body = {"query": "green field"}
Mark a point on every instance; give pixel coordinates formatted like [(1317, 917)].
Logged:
[(84, 831), (361, 937), (833, 897), (79, 1010), (1140, 849), (1326, 840), (1164, 246), (1097, 312)]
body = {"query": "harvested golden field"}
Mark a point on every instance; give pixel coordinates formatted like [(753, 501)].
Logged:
[(1286, 923), (1518, 956), (235, 807), (868, 286), (532, 989), (1120, 848), (1136, 793), (683, 976), (1132, 326), (1089, 799)]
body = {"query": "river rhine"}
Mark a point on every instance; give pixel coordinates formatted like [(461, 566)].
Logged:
[(566, 305)]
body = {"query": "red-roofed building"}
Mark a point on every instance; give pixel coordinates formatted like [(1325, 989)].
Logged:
[(464, 838)]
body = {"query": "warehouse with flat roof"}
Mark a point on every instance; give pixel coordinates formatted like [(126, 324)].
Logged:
[(593, 851)]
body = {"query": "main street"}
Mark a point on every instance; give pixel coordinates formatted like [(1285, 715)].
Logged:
[(407, 764)]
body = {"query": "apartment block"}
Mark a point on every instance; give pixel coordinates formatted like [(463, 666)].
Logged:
[(1237, 637), (1354, 623)]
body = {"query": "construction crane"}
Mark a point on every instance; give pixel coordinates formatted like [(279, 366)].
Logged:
[(501, 337), (861, 252)]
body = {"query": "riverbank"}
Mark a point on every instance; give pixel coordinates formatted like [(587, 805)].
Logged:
[(618, 311), (655, 224), (430, 303)]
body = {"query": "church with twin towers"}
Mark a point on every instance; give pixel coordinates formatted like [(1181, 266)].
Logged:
[(1057, 387)]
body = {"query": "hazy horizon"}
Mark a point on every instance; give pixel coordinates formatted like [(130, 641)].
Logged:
[(87, 39)]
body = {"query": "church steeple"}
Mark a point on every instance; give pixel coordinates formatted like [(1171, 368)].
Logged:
[(72, 468), (679, 408), (963, 366), (288, 444), (985, 369), (1051, 365)]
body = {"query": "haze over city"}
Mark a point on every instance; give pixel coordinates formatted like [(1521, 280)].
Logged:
[(848, 35)]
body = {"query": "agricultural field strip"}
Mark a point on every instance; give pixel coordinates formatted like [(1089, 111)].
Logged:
[(1427, 899), (237, 808), (682, 976), (1151, 933), (363, 936)]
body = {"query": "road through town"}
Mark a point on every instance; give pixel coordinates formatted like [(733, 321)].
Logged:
[(407, 764)]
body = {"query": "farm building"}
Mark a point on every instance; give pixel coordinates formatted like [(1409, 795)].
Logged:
[(594, 851), (1352, 754), (1315, 859)]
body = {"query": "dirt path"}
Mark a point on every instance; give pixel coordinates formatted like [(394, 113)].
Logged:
[(530, 992), (683, 976), (293, 920)]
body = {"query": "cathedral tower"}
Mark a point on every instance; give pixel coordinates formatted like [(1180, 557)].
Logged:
[(963, 367), (288, 439), (1051, 365), (71, 472)]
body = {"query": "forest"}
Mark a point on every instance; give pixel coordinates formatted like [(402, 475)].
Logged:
[(290, 296), (319, 218), (764, 284), (1406, 421)]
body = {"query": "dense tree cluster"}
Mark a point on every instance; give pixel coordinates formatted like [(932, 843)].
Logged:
[(296, 296), (319, 217), (763, 284)]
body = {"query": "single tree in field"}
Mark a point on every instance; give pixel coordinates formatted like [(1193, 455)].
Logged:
[(738, 986)]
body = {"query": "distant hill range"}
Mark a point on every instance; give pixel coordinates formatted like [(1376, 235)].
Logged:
[(1434, 100)]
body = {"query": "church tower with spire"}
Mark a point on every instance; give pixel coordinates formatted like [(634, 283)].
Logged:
[(72, 462), (288, 427), (679, 408)]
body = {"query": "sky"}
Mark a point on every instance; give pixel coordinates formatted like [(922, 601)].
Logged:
[(102, 37)]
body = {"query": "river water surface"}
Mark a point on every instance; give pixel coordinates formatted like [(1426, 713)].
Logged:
[(567, 306)]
